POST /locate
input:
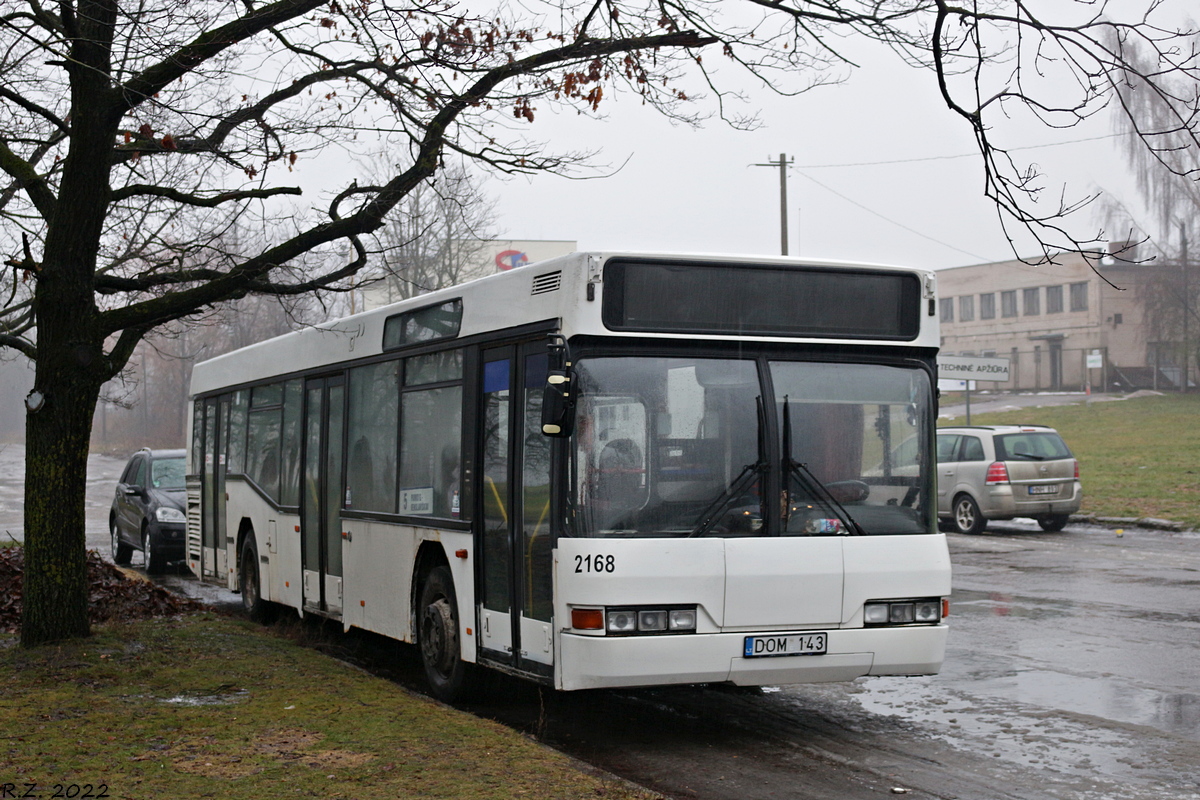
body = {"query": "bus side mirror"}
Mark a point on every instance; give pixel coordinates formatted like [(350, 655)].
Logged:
[(558, 398), (558, 404)]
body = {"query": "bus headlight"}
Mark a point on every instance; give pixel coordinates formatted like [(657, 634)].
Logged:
[(652, 620), (635, 620), (622, 622), (682, 619), (926, 611), (875, 613)]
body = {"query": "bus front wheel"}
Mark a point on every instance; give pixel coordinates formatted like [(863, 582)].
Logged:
[(437, 636)]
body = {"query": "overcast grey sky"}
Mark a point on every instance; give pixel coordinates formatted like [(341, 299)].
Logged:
[(694, 190)]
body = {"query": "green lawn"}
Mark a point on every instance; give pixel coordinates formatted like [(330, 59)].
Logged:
[(1137, 458), (207, 706)]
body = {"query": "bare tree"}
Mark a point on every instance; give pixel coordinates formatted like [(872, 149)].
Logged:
[(1157, 140), (146, 405), (434, 237), (133, 135)]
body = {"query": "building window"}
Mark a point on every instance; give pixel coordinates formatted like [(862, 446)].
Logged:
[(1008, 304), (987, 306), (966, 308), (1054, 299), (947, 306), (1032, 301), (1079, 296)]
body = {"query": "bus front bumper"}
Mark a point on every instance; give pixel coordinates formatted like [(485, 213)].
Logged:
[(594, 662)]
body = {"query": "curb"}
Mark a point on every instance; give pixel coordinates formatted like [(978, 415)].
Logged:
[(1138, 522)]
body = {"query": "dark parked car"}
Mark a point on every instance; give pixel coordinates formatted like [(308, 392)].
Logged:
[(149, 511)]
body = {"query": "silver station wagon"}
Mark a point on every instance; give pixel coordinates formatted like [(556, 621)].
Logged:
[(988, 472)]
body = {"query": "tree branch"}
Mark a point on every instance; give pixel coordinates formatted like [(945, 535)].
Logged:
[(28, 179), (157, 77), (251, 274), (150, 190)]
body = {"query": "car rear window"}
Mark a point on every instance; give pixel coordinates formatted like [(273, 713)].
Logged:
[(1029, 446)]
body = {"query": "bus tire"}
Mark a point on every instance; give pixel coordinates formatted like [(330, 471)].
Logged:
[(438, 638), (967, 516), (254, 604)]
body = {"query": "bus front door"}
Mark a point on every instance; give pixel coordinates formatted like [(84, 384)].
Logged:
[(515, 608), (321, 500)]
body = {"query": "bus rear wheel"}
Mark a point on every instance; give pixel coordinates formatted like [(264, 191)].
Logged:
[(438, 639), (255, 605)]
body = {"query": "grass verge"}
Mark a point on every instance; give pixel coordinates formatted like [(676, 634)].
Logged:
[(1138, 457), (208, 706)]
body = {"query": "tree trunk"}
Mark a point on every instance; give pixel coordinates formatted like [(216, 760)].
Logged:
[(71, 364), (55, 596)]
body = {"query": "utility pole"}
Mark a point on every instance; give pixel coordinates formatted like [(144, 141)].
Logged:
[(782, 163), (1187, 350)]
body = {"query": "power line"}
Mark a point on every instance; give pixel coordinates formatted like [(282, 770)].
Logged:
[(980, 258), (947, 158)]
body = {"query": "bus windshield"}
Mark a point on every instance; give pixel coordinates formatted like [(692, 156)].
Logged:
[(677, 447)]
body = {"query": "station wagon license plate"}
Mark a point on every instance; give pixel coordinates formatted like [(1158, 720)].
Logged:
[(1044, 489), (793, 644)]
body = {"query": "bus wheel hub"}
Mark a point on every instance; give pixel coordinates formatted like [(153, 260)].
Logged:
[(438, 637)]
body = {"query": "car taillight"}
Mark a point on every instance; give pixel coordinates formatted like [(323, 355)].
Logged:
[(997, 473), (1076, 470)]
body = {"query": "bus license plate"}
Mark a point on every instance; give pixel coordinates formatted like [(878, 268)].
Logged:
[(795, 644), (1044, 489)]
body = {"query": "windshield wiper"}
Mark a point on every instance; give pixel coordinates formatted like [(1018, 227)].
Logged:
[(800, 471), (745, 479)]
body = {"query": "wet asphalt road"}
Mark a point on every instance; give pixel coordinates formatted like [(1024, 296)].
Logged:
[(1073, 671)]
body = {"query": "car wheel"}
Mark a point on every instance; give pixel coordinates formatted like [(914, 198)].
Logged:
[(1052, 523), (254, 604), (967, 516), (121, 552), (437, 637), (155, 562)]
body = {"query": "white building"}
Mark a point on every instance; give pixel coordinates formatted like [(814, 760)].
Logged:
[(1047, 320)]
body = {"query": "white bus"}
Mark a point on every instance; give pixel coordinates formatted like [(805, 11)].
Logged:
[(602, 470)]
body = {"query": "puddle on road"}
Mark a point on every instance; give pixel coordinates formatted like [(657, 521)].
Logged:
[(1047, 720), (1174, 712)]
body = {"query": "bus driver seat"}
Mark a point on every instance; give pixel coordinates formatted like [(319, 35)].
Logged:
[(620, 477)]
